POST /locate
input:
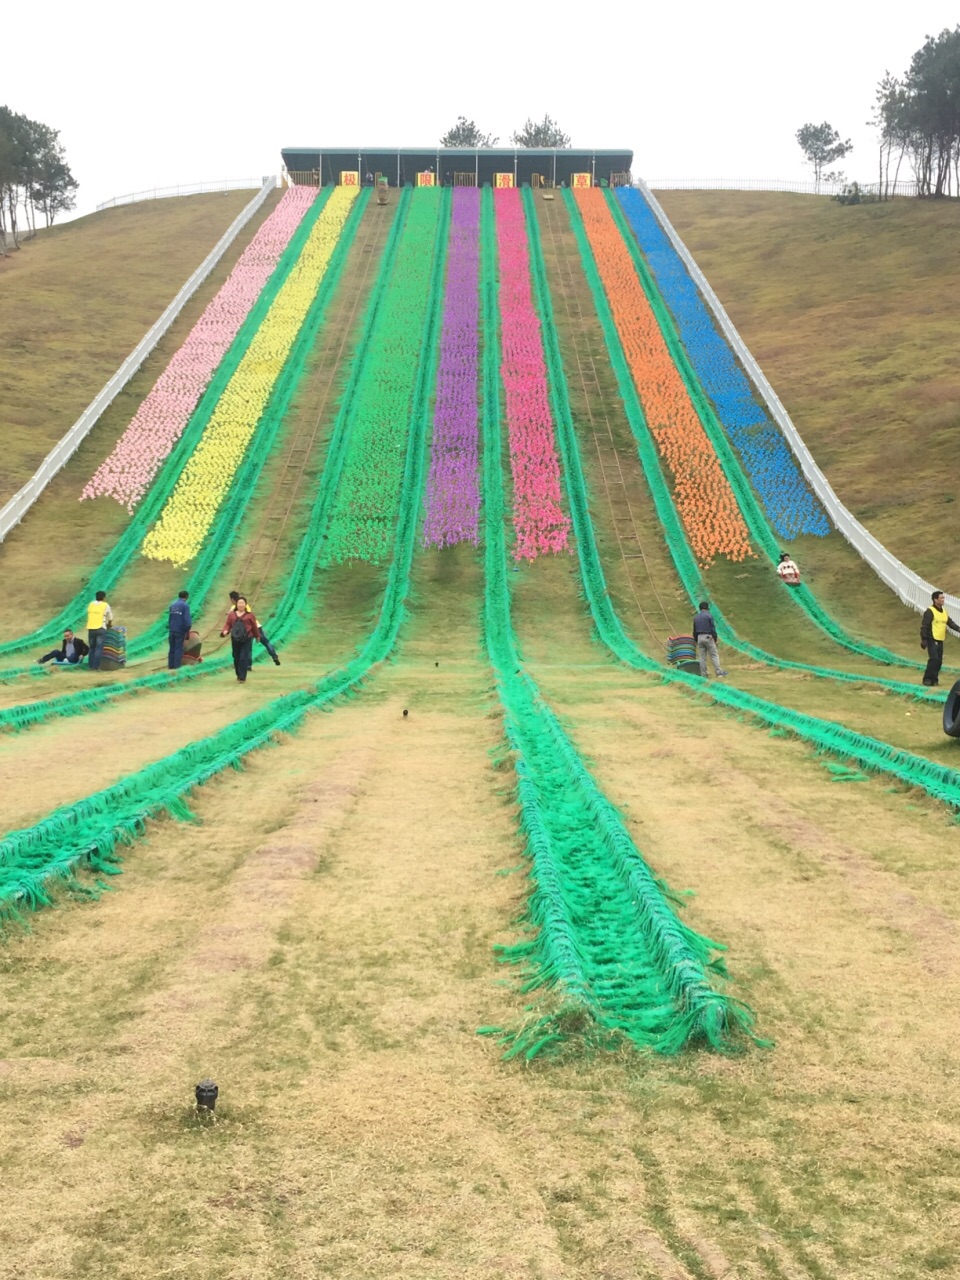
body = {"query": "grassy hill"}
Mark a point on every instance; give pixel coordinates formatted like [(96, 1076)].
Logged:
[(852, 314), (76, 301), (319, 934)]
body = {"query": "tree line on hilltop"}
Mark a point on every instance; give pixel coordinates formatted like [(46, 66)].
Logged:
[(533, 133), (917, 118), (34, 176)]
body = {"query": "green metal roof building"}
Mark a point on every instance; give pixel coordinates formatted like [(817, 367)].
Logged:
[(400, 165)]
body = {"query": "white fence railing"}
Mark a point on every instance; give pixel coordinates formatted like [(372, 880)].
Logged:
[(13, 511), (909, 586), (188, 189), (899, 188)]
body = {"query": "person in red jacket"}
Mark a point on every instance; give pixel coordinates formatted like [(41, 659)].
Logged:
[(242, 628)]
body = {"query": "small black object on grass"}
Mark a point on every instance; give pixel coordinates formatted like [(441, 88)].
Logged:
[(405, 713), (207, 1092)]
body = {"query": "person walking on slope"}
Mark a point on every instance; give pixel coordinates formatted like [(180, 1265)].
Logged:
[(933, 632), (241, 626), (264, 639), (179, 627), (705, 634), (99, 618)]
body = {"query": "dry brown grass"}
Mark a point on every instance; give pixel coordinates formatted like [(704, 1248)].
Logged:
[(322, 945)]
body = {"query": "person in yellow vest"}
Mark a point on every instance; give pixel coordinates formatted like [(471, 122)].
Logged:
[(933, 632), (99, 618)]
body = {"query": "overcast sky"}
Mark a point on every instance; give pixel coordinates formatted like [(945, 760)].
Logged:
[(194, 90)]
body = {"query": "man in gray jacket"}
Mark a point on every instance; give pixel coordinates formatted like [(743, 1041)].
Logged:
[(705, 634)]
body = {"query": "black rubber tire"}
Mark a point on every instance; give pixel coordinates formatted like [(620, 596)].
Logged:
[(951, 712)]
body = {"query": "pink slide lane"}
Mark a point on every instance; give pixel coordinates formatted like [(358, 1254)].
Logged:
[(159, 422), (538, 519)]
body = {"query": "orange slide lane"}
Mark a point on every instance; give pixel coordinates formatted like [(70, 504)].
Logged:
[(701, 491)]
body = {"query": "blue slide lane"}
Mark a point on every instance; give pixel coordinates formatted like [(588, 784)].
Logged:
[(790, 505)]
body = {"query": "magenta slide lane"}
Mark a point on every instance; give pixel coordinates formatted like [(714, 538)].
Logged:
[(539, 522)]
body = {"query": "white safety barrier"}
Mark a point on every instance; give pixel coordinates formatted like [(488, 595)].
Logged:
[(13, 511), (909, 586), (186, 189), (874, 190)]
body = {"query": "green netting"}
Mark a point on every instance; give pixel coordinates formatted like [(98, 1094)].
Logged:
[(825, 736), (89, 832), (288, 612), (365, 509), (674, 534), (798, 597), (603, 932)]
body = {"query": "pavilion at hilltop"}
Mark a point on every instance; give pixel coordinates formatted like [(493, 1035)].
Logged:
[(458, 166)]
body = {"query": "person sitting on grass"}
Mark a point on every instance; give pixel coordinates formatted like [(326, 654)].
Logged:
[(72, 651)]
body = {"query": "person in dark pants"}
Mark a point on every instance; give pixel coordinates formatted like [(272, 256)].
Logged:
[(179, 626), (99, 618), (705, 635), (264, 639), (933, 632), (241, 626), (73, 650)]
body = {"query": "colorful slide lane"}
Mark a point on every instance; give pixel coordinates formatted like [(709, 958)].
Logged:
[(131, 467), (787, 499), (539, 522), (453, 494), (365, 510), (191, 508), (603, 936), (707, 505)]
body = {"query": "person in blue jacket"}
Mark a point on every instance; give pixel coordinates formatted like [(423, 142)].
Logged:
[(180, 624)]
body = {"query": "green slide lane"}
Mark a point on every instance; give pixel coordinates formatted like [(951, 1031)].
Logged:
[(606, 935)]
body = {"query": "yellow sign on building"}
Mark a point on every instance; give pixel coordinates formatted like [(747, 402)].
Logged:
[(503, 179), (580, 180), (428, 179), (349, 178)]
